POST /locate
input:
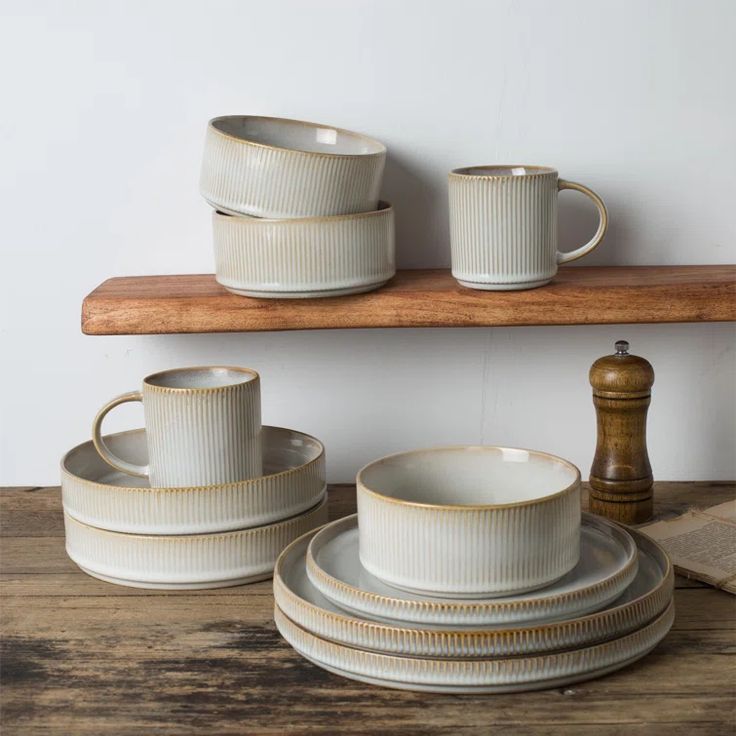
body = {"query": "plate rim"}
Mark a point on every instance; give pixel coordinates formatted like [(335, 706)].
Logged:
[(496, 609), (349, 627)]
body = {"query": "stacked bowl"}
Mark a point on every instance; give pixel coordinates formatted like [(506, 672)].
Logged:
[(472, 569), (297, 210), (204, 497)]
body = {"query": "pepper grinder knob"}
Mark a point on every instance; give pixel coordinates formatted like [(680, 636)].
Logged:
[(621, 477)]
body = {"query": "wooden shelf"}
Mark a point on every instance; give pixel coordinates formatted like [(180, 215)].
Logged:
[(139, 305)]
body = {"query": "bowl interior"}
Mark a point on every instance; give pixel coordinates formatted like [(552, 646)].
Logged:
[(466, 476), (297, 135), (283, 449)]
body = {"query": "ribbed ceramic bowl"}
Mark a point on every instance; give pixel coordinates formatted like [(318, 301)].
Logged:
[(95, 494), (187, 562), (469, 522), (274, 167), (304, 257)]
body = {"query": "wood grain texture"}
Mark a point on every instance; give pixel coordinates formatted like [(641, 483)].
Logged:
[(138, 305), (84, 657), (621, 476)]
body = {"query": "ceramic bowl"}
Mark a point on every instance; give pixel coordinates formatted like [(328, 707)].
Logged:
[(274, 167), (304, 257), (94, 493), (469, 522), (607, 566), (191, 562)]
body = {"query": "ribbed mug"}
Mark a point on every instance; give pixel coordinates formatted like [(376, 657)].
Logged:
[(203, 427), (503, 226)]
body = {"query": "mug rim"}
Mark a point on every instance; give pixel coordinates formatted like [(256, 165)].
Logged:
[(254, 376), (470, 172)]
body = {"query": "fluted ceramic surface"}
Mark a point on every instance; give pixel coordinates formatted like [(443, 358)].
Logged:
[(246, 177), (471, 550), (645, 598), (480, 675), (187, 562), (607, 566), (95, 494), (203, 436), (320, 256), (503, 229)]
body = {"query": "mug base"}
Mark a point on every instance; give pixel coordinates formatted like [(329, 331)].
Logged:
[(520, 286)]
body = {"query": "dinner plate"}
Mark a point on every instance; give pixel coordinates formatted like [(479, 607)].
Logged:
[(646, 597), (607, 566), (188, 562), (512, 674)]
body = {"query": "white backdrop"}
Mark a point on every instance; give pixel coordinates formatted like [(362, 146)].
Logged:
[(104, 106)]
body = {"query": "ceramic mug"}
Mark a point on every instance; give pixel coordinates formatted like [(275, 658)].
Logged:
[(503, 226), (203, 427)]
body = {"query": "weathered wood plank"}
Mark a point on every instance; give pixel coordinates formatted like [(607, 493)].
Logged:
[(84, 657), (419, 298)]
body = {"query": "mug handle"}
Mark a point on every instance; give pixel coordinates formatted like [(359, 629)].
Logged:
[(594, 242), (140, 471)]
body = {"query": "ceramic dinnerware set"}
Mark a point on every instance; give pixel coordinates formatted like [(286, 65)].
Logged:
[(204, 497), (472, 569), (297, 210)]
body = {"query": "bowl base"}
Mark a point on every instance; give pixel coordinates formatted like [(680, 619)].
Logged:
[(306, 294), (177, 586)]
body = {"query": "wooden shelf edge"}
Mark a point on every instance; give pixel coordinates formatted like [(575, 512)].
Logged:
[(188, 304)]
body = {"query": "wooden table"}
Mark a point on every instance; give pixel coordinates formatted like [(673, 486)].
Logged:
[(80, 656)]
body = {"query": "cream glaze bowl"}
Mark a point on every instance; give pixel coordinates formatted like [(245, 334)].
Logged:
[(469, 521), (97, 495), (304, 257), (274, 167), (186, 562)]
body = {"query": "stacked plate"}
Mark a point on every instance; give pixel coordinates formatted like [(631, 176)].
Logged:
[(122, 530), (296, 204), (354, 600)]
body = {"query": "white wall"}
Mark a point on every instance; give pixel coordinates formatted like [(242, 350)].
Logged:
[(104, 106)]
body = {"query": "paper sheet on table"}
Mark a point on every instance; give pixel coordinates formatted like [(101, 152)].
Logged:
[(701, 544)]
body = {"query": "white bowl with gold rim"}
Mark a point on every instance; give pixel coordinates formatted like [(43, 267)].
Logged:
[(186, 562), (469, 521), (304, 257), (276, 167), (96, 494)]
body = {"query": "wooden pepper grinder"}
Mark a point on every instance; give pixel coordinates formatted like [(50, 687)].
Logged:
[(621, 477)]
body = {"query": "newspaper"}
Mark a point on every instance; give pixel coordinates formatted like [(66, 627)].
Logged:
[(701, 544)]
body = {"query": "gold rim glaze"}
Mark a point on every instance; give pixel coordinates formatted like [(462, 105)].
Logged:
[(362, 487), (636, 607), (199, 489), (471, 172), (305, 123)]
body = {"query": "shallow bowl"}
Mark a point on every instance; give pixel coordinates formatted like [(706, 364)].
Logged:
[(186, 562), (94, 493), (275, 167), (469, 521)]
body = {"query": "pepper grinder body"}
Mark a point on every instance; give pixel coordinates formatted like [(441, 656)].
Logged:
[(621, 476)]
